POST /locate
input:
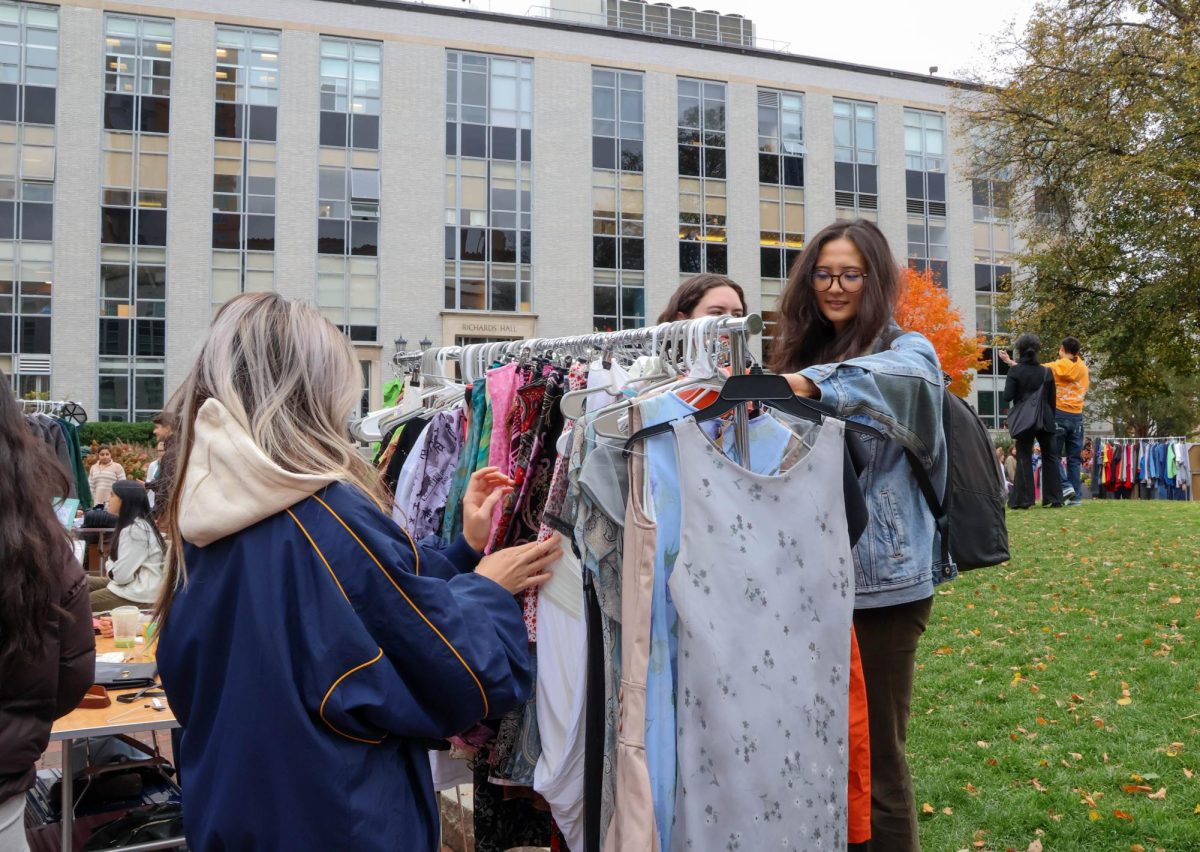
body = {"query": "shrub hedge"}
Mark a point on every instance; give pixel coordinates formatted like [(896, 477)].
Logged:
[(117, 433)]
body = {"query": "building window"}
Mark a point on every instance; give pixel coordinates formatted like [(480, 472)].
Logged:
[(780, 196), (925, 190), (364, 402), (702, 193), (133, 216), (348, 187), (244, 163), (28, 80), (855, 163), (489, 182), (993, 291), (618, 201)]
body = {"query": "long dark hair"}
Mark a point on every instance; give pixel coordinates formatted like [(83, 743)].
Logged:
[(691, 292), (33, 544), (805, 337), (135, 506)]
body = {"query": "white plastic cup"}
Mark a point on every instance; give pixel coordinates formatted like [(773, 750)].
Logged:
[(126, 620)]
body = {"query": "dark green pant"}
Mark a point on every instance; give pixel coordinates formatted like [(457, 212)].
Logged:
[(103, 600), (887, 641)]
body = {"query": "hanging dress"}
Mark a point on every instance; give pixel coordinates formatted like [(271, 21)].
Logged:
[(764, 594)]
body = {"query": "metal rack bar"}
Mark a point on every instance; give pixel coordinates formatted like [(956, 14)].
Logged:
[(64, 408), (736, 329)]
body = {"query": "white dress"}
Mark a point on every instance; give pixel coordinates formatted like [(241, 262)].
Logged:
[(764, 591)]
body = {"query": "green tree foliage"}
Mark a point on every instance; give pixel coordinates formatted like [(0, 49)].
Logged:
[(96, 432), (1097, 122)]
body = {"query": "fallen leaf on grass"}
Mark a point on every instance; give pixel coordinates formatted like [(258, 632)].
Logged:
[(1174, 599), (1187, 773), (1137, 788), (948, 811), (927, 808), (971, 788), (1123, 815), (1173, 750), (1136, 847), (1094, 816), (945, 649), (1124, 700), (1037, 785), (1035, 846), (1160, 795)]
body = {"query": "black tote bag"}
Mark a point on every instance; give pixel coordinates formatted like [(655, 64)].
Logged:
[(1028, 417)]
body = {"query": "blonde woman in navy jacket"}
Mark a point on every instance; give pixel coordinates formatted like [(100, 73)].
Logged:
[(308, 644)]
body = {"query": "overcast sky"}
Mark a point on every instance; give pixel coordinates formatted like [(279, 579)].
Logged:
[(955, 35)]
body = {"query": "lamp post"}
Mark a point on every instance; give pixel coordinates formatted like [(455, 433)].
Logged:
[(425, 343)]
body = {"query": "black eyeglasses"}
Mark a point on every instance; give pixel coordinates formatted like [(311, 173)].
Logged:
[(851, 280)]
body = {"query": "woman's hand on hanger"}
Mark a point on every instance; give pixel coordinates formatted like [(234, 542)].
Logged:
[(522, 567), (802, 386), (486, 488)]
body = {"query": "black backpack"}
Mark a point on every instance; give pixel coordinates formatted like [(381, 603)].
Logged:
[(970, 518)]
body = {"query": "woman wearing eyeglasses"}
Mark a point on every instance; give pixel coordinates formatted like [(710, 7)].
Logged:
[(838, 342)]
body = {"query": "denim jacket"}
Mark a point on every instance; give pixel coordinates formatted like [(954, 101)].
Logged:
[(898, 390)]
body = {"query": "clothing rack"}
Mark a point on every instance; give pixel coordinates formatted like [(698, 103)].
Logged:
[(681, 342), (64, 409), (1167, 439)]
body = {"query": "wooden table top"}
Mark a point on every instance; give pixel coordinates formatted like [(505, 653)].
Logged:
[(117, 718)]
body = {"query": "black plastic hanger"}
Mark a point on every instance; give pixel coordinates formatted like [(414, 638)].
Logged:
[(770, 389)]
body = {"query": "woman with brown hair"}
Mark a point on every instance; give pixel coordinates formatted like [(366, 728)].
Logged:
[(838, 342), (47, 648), (705, 295)]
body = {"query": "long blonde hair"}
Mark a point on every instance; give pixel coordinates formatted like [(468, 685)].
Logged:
[(290, 378)]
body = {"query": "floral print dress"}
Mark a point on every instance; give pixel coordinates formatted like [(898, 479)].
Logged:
[(763, 589)]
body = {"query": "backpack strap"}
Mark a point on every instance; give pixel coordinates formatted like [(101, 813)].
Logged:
[(940, 516)]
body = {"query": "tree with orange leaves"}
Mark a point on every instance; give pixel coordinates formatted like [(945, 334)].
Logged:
[(925, 307)]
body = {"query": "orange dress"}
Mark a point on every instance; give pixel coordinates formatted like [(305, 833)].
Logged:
[(859, 828)]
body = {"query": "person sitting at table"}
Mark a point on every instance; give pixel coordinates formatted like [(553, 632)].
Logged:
[(104, 473), (47, 649), (302, 633), (134, 569)]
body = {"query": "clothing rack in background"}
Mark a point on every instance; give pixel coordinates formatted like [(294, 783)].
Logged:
[(1177, 439), (684, 343), (63, 409)]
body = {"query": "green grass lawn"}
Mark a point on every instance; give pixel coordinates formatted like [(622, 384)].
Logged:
[(1057, 698)]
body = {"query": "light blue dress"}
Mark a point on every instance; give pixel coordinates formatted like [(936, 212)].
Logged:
[(769, 441)]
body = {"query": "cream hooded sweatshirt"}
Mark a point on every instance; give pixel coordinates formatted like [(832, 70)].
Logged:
[(231, 484)]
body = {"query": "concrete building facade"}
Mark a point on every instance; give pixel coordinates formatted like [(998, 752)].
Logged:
[(431, 173)]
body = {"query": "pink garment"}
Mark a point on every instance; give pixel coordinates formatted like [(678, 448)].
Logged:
[(502, 392)]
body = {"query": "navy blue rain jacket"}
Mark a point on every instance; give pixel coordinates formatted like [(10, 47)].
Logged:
[(307, 656)]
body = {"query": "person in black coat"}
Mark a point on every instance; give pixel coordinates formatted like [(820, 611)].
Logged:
[(1025, 378)]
